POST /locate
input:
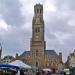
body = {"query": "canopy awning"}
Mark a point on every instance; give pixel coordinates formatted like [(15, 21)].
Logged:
[(47, 69), (9, 66), (20, 64)]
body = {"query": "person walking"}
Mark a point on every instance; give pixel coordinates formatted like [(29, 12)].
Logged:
[(38, 73), (21, 72), (48, 73)]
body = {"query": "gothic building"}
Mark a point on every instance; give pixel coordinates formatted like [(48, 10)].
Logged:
[(38, 55), (71, 59)]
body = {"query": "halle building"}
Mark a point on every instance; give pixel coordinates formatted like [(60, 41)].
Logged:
[(38, 55)]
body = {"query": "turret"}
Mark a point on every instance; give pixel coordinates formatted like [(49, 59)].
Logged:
[(60, 56), (17, 55), (38, 10)]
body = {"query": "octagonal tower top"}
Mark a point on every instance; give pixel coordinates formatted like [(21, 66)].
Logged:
[(38, 10)]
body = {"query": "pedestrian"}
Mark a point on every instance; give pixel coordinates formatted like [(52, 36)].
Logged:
[(18, 73), (21, 72), (64, 73), (48, 73), (37, 73), (13, 72), (42, 73)]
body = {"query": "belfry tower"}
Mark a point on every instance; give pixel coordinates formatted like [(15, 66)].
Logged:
[(38, 55), (37, 46)]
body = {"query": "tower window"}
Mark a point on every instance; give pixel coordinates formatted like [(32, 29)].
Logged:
[(36, 52), (40, 11), (37, 29), (36, 64), (37, 10)]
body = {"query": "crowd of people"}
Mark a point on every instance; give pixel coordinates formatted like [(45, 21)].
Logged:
[(43, 73), (40, 72), (20, 72)]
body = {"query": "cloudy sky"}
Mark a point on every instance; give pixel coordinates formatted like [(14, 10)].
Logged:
[(16, 25)]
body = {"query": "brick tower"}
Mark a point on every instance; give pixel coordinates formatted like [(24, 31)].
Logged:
[(37, 46)]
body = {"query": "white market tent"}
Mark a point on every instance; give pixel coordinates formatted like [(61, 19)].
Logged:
[(20, 64), (47, 69)]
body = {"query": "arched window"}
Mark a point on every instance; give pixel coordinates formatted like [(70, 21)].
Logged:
[(36, 64), (37, 52), (40, 11), (37, 29), (37, 10)]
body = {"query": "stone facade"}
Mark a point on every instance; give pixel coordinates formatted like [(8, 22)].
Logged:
[(37, 41), (71, 59), (38, 55), (8, 59)]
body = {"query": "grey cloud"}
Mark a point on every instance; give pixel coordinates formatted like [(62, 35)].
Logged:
[(58, 22), (11, 12), (19, 39), (62, 4), (55, 24), (16, 40), (71, 41)]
